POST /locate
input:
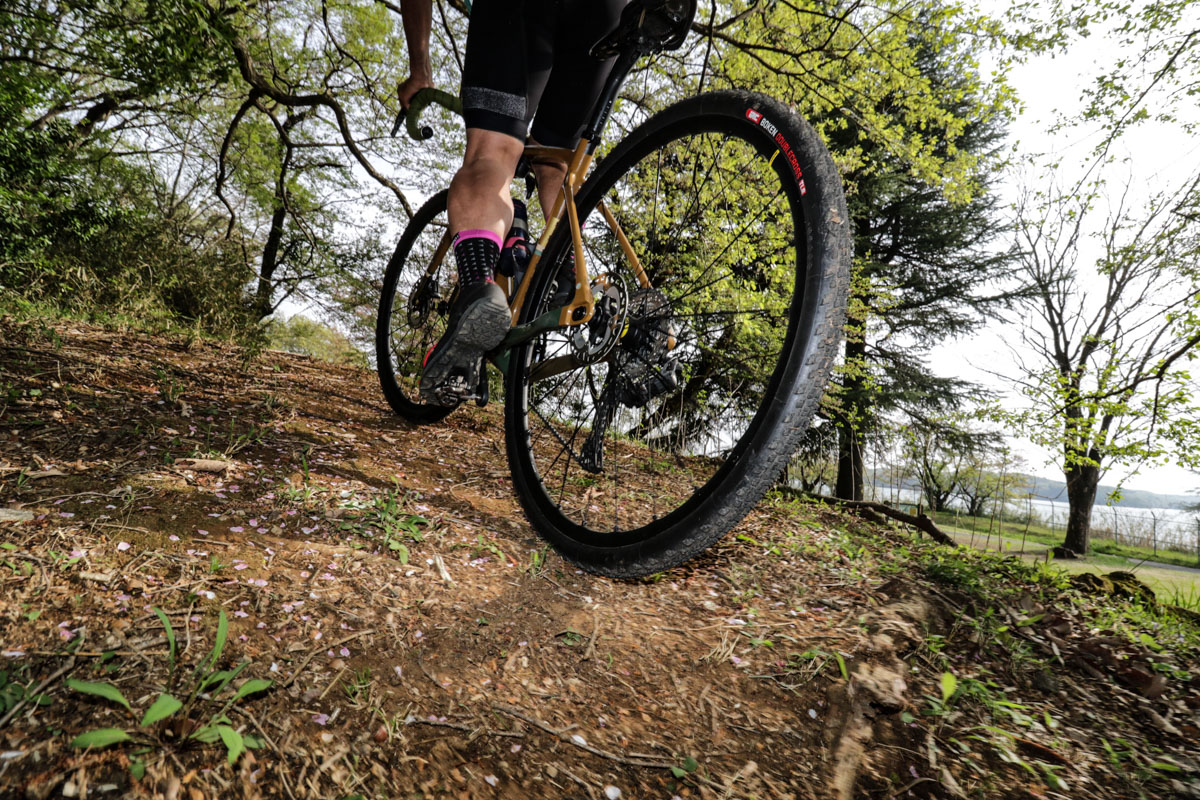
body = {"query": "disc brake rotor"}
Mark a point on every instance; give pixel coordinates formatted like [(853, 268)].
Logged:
[(594, 340)]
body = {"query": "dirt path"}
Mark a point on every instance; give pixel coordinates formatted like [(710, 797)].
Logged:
[(421, 641)]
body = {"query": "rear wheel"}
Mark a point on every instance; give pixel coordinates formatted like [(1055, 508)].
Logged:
[(413, 309), (639, 439)]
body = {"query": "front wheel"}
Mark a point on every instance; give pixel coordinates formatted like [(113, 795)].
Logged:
[(638, 440), (414, 305)]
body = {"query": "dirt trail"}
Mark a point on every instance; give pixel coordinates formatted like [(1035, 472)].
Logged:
[(421, 641)]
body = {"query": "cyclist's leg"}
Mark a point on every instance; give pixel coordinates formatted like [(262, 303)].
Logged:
[(496, 111), (479, 193), (576, 78), (574, 83), (479, 206), (495, 107)]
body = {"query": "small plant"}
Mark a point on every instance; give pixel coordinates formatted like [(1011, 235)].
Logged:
[(388, 517), (358, 688), (13, 692), (689, 766), (63, 561), (200, 718), (537, 561), (1189, 599), (482, 546), (571, 638), (169, 388), (304, 461)]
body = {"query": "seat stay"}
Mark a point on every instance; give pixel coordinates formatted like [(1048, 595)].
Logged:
[(635, 263)]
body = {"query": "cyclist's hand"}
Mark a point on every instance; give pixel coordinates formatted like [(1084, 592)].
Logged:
[(410, 86)]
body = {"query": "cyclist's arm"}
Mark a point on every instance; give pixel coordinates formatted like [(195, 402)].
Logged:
[(418, 19)]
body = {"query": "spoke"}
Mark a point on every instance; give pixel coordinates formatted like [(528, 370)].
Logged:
[(736, 226), (725, 249)]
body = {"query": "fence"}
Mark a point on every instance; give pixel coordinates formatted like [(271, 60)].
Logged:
[(1155, 529)]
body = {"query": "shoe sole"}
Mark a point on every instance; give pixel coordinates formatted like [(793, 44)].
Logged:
[(480, 328)]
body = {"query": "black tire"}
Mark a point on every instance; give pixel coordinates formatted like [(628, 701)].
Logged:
[(665, 481), (405, 330)]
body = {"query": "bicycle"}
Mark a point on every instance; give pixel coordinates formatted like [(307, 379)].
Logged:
[(650, 406)]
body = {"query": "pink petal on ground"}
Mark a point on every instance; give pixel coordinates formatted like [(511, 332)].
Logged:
[(123, 546)]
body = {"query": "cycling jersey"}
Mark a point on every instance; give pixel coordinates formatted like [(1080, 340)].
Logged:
[(528, 61)]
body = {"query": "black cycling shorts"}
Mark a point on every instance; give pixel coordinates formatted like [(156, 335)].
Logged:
[(527, 56)]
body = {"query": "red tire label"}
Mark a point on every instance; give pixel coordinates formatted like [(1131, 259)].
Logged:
[(784, 146)]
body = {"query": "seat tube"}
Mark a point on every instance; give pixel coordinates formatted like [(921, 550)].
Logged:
[(581, 160)]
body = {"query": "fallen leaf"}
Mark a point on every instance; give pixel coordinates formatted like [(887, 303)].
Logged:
[(202, 464), (1147, 685), (52, 472)]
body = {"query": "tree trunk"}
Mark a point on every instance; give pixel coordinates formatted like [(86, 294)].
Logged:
[(266, 271), (850, 465), (850, 449), (1082, 482)]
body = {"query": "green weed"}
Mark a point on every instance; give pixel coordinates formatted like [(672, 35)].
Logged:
[(202, 718)]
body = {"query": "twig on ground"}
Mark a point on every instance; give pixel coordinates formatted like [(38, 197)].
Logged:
[(428, 674), (910, 785), (316, 650), (12, 712), (578, 740), (921, 522), (589, 652), (474, 730), (336, 678)]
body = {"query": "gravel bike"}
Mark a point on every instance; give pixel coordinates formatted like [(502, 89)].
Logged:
[(674, 330)]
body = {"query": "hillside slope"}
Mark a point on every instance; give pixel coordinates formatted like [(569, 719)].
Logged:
[(421, 641)]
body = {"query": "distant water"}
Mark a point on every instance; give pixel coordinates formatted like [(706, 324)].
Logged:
[(1164, 527)]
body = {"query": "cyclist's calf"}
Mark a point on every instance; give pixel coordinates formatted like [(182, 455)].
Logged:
[(479, 194)]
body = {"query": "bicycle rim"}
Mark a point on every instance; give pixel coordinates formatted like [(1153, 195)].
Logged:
[(611, 450), (413, 310)]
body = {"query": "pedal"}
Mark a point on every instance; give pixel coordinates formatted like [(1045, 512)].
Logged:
[(458, 388), (455, 391)]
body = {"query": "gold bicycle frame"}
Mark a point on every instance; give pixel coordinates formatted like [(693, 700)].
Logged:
[(582, 305)]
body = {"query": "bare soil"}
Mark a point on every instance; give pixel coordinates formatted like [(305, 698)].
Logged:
[(422, 642)]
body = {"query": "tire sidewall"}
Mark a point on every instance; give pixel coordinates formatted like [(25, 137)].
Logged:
[(755, 463), (419, 413)]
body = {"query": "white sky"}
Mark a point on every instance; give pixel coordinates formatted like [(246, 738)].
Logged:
[(1158, 155)]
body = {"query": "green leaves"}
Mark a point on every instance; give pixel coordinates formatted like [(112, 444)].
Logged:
[(251, 686), (163, 707), (170, 636), (222, 634), (689, 765), (949, 685), (233, 742), (101, 737), (166, 705), (105, 690)]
